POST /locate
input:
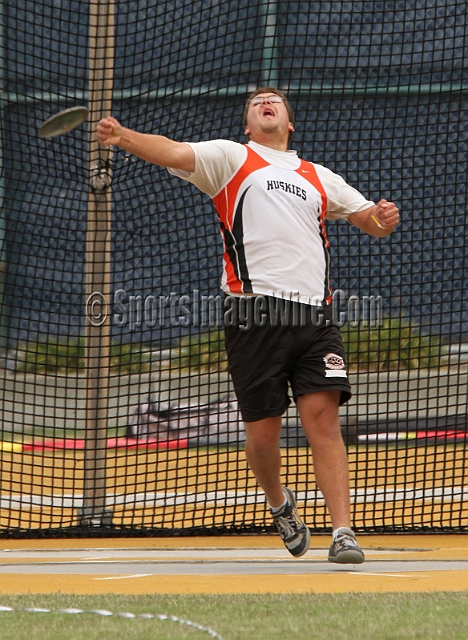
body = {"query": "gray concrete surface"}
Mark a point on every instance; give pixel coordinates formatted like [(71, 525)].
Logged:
[(212, 561)]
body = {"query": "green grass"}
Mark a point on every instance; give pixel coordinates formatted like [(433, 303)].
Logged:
[(68, 356), (392, 616), (396, 344), (204, 353)]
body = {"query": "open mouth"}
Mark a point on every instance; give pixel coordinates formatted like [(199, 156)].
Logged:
[(268, 112)]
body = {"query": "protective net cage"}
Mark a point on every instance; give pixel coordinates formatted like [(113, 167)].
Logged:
[(118, 415)]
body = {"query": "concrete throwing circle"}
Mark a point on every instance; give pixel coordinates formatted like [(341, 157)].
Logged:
[(223, 569)]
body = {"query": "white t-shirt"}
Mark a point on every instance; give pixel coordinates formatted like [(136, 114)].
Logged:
[(272, 207)]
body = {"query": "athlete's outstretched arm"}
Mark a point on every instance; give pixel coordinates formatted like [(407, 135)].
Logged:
[(152, 148), (379, 220)]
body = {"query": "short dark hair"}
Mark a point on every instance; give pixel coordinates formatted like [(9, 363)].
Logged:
[(278, 93)]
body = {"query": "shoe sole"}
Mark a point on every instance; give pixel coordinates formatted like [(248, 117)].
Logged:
[(292, 500), (306, 548), (347, 557)]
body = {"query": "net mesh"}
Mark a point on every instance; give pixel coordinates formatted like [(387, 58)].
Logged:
[(380, 95)]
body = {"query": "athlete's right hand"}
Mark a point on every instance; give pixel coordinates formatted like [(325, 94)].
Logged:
[(109, 131)]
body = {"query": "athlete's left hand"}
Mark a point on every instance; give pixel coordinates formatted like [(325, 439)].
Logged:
[(387, 214)]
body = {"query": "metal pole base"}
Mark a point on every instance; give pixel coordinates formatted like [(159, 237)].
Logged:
[(89, 517)]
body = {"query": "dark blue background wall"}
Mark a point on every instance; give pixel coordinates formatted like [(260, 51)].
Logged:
[(380, 95)]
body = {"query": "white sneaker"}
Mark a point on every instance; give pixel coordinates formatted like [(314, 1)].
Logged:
[(293, 531), (345, 548)]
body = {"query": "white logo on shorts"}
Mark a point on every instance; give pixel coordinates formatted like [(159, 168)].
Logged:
[(334, 366)]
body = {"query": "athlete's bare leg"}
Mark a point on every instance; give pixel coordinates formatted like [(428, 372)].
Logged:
[(320, 421), (264, 458)]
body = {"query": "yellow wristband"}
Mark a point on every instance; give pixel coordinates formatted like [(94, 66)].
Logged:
[(376, 221)]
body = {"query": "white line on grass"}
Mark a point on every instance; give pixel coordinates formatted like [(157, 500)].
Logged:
[(386, 575), (124, 614), (136, 575)]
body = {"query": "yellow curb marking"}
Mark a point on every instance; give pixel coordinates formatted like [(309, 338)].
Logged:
[(226, 584)]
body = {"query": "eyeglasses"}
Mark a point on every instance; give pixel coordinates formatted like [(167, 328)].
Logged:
[(259, 99)]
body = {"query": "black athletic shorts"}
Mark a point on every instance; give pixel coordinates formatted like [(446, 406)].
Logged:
[(269, 350)]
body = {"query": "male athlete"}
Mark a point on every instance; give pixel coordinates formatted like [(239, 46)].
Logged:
[(272, 208)]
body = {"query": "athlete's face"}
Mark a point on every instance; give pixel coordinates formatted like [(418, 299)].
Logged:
[(267, 120)]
